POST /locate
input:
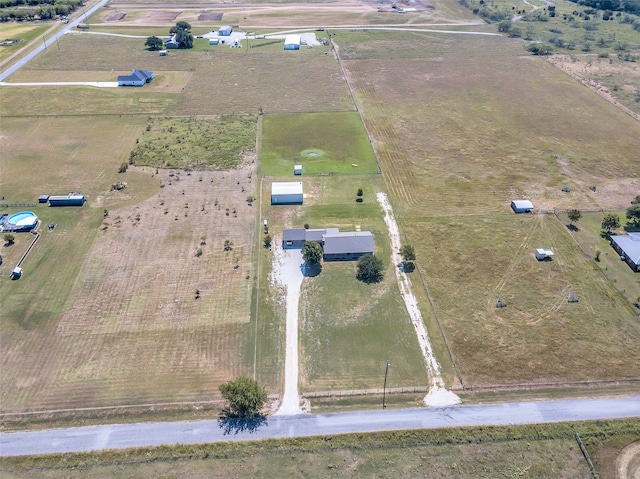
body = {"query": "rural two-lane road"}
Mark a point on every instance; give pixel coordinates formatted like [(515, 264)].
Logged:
[(122, 436)]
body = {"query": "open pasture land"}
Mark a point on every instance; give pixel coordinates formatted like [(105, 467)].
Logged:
[(256, 80), (323, 143), (133, 330), (106, 312), (589, 235), (539, 337), (25, 32), (465, 124), (348, 329)]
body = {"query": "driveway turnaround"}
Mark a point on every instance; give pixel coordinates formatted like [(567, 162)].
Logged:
[(123, 436)]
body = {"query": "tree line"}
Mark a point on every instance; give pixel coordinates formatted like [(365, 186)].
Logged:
[(43, 9)]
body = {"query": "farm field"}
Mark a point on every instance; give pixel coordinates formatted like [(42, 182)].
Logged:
[(23, 32), (539, 337), (461, 138), (323, 143)]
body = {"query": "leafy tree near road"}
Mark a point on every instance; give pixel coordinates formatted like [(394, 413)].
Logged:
[(311, 253), (267, 241), (245, 396), (610, 222), (633, 214), (574, 215), (370, 269), (154, 43), (408, 253)]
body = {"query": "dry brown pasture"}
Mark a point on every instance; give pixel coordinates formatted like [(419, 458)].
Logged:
[(463, 124), (615, 80), (134, 330)]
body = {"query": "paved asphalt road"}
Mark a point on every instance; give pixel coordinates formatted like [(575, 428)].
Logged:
[(50, 41), (122, 436)]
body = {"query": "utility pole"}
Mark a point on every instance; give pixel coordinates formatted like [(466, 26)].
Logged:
[(384, 388)]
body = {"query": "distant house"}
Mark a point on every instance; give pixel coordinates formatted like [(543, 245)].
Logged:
[(292, 42), (286, 193), (521, 206), (72, 199), (171, 42), (628, 247), (137, 78), (225, 31), (347, 246)]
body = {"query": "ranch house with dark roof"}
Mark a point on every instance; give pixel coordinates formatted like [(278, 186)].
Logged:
[(336, 245), (137, 78)]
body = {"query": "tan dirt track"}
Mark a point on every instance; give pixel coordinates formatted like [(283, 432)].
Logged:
[(628, 462)]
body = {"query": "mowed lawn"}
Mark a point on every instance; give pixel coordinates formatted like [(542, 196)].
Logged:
[(323, 143), (471, 261), (348, 329)]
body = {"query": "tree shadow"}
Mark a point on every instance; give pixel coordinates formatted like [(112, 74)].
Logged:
[(311, 271), (571, 227), (632, 227), (231, 424), (407, 266)]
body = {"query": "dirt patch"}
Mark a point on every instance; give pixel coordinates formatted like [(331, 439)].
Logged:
[(628, 462), (163, 16), (211, 16), (114, 17)]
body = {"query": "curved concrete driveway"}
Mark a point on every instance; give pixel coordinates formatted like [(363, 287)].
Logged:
[(195, 432)]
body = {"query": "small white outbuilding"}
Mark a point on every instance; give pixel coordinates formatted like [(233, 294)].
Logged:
[(297, 169), (286, 193), (521, 206), (543, 253), (292, 42)]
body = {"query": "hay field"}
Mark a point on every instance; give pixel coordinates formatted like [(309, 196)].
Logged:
[(475, 122), (470, 261), (323, 143)]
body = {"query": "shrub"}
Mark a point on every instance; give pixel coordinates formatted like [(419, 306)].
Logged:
[(123, 167)]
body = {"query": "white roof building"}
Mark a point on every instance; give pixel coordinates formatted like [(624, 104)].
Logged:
[(286, 193)]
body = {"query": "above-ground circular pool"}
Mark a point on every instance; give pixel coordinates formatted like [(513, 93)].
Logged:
[(22, 221)]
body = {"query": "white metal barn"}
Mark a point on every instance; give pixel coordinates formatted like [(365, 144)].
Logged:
[(543, 253), (292, 42), (297, 169), (286, 193), (521, 206)]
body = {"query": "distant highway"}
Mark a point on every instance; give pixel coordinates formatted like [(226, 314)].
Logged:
[(123, 436), (72, 24)]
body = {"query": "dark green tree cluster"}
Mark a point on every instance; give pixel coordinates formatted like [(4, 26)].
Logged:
[(312, 253), (154, 43), (18, 10), (370, 269), (633, 212), (182, 31)]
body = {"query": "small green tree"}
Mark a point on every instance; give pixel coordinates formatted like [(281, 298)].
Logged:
[(370, 269), (574, 216), (228, 245), (267, 241), (359, 192), (311, 253), (636, 200), (123, 167), (610, 222), (408, 253), (9, 239), (154, 43), (633, 214), (246, 397)]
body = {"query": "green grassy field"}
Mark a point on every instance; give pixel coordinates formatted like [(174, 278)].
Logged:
[(588, 234), (24, 32), (323, 143)]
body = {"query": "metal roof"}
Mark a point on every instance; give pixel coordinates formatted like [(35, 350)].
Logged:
[(348, 242), (286, 188), (630, 244), (295, 234), (522, 204), (292, 40)]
